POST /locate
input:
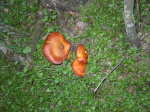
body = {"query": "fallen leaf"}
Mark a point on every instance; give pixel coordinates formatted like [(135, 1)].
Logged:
[(121, 77), (93, 75), (132, 89), (52, 106), (73, 13), (121, 98), (6, 10), (80, 27)]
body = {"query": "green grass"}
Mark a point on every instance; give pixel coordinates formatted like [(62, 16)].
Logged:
[(19, 19), (48, 87)]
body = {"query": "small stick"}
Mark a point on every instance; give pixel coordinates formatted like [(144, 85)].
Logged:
[(110, 73), (138, 9), (119, 63)]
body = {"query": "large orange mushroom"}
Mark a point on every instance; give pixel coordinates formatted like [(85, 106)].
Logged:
[(79, 64), (56, 48)]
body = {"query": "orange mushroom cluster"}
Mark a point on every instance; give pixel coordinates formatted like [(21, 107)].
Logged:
[(56, 48), (79, 64)]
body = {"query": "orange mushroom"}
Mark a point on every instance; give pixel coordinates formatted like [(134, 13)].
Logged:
[(82, 52), (79, 64), (79, 67), (56, 48)]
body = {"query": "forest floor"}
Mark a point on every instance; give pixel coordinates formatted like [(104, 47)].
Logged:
[(39, 85)]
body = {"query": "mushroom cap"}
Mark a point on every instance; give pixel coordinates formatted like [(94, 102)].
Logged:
[(56, 48), (79, 64), (82, 52), (79, 67)]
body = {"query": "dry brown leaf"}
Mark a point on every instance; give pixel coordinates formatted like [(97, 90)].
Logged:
[(80, 26), (121, 77), (132, 89), (6, 10), (73, 13)]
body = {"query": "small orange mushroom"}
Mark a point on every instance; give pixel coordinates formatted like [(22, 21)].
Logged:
[(82, 52), (79, 64), (56, 48), (79, 67)]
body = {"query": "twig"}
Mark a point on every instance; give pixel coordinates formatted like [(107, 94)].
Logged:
[(119, 63), (110, 73), (138, 9)]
